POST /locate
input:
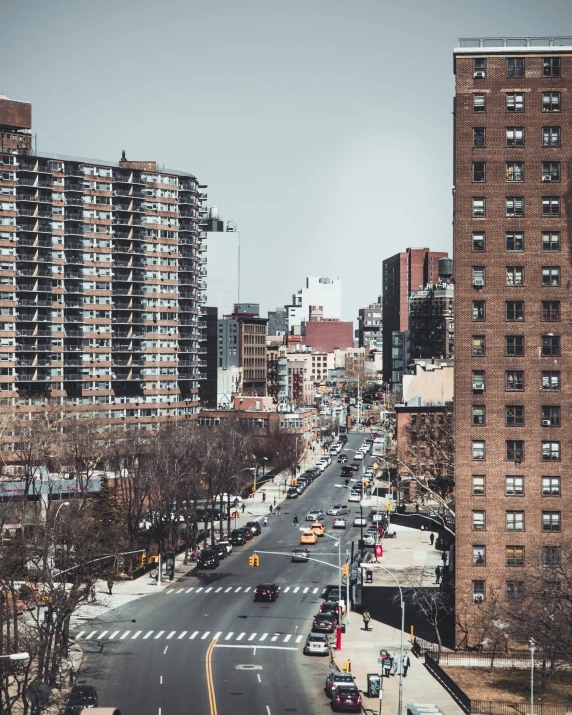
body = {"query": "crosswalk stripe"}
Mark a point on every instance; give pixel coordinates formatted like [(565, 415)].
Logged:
[(147, 635), (286, 589), (103, 633), (124, 636), (274, 638), (240, 636), (246, 590), (252, 637), (171, 634), (218, 589), (190, 589), (226, 590), (306, 590), (194, 635), (263, 637), (299, 638), (90, 635), (217, 635), (287, 638), (315, 590), (296, 589), (210, 588), (79, 635), (199, 589), (112, 636), (180, 590), (229, 636), (205, 635), (170, 591), (183, 634), (238, 589), (136, 635), (159, 634)]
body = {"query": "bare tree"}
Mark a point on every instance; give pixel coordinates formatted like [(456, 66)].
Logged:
[(435, 605)]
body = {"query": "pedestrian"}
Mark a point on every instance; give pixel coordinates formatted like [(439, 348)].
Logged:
[(417, 508), (110, 585), (93, 595), (263, 496), (438, 573), (243, 507), (406, 664), (278, 510), (444, 558), (270, 507), (366, 619), (394, 662), (274, 501), (387, 665), (432, 539)]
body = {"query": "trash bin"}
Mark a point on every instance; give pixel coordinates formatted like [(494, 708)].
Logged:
[(373, 685), (369, 576)]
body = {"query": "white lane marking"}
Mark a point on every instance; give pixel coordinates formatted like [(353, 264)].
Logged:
[(166, 648), (252, 637), (183, 634), (240, 636), (102, 634), (218, 589), (147, 635), (159, 634), (296, 589), (263, 637), (180, 590), (161, 680), (238, 589), (254, 648), (268, 710), (136, 635), (80, 634), (159, 711), (229, 636), (199, 589), (205, 635), (286, 589), (306, 590), (171, 634), (226, 590), (217, 635), (124, 636), (190, 589), (315, 590), (258, 674), (112, 636), (246, 590), (274, 638), (90, 635), (210, 588), (299, 638), (287, 638), (194, 635), (170, 591)]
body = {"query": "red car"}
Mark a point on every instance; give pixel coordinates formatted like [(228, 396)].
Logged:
[(248, 535), (347, 698)]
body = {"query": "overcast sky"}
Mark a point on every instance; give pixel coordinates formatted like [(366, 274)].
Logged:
[(323, 128)]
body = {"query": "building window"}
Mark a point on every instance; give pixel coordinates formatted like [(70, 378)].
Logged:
[(478, 415), (479, 310), (551, 101), (515, 521), (515, 171), (478, 242), (514, 590), (478, 485), (478, 276), (515, 555), (550, 346), (514, 415), (515, 450), (478, 345), (478, 208), (478, 520), (514, 345), (550, 486), (478, 381), (515, 310), (515, 102), (478, 171), (550, 276), (479, 68), (550, 521), (478, 449), (550, 171), (515, 67), (551, 556), (550, 380), (550, 242), (551, 451), (478, 137), (514, 206), (515, 380), (514, 136), (550, 137), (550, 310), (550, 67), (514, 486), (479, 555), (550, 416), (478, 591), (514, 242), (515, 275), (550, 206), (479, 103)]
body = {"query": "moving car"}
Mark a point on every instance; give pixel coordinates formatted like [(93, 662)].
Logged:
[(318, 528), (324, 622), (358, 456), (334, 680), (338, 509), (354, 467), (208, 559), (254, 526), (317, 644), (266, 592), (314, 515), (347, 698), (339, 523), (292, 493), (354, 496), (342, 459), (360, 521), (300, 556), (81, 696), (309, 537)]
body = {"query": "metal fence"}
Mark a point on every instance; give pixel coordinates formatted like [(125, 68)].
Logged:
[(497, 707), (448, 683)]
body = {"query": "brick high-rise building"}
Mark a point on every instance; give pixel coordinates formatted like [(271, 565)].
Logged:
[(99, 289), (513, 372), (413, 269)]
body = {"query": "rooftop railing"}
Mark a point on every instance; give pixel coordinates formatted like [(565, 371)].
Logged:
[(515, 42)]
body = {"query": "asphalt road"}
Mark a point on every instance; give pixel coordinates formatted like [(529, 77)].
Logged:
[(150, 657)]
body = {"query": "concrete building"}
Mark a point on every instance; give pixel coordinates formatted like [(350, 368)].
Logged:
[(278, 322), (429, 383), (220, 267), (326, 292), (370, 328), (99, 281), (413, 269), (513, 367), (242, 343), (229, 386)]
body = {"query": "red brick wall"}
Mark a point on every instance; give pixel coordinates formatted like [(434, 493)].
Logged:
[(325, 336), (15, 114)]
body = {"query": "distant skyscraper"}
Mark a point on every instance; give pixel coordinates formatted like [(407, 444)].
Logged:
[(220, 272)]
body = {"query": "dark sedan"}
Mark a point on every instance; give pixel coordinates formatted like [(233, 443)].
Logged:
[(80, 698), (208, 559), (324, 622), (266, 592), (237, 538)]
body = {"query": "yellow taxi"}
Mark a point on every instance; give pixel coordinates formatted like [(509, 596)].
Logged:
[(317, 528), (309, 537)]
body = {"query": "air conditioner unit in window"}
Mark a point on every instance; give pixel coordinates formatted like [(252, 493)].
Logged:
[(478, 597), (546, 423), (478, 282), (479, 74), (546, 177), (478, 387)]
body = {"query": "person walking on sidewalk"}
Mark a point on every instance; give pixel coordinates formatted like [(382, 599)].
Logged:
[(110, 585), (94, 595), (438, 574), (366, 619), (406, 664), (432, 538)]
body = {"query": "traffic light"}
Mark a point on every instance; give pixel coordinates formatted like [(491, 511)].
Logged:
[(346, 569), (143, 559), (254, 560)]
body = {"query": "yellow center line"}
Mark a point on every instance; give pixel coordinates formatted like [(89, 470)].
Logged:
[(209, 673)]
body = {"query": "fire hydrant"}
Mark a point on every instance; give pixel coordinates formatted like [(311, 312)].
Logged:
[(339, 638)]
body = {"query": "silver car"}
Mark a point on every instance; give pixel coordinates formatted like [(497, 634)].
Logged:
[(317, 644), (314, 515), (338, 509), (335, 679)]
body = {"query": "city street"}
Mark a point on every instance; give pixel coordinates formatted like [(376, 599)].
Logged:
[(154, 656)]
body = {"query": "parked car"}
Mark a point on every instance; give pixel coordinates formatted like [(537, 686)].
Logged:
[(370, 538), (324, 622), (354, 496), (358, 456), (227, 545), (347, 698), (314, 515), (330, 607), (208, 559), (292, 493), (334, 680), (317, 644), (266, 592), (300, 556), (237, 538), (254, 527), (220, 551), (81, 697)]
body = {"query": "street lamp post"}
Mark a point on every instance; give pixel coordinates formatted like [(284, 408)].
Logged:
[(532, 646)]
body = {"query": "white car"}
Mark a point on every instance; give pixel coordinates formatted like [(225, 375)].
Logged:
[(339, 523), (354, 496), (369, 539), (327, 459), (338, 509), (227, 546), (358, 456), (360, 521)]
